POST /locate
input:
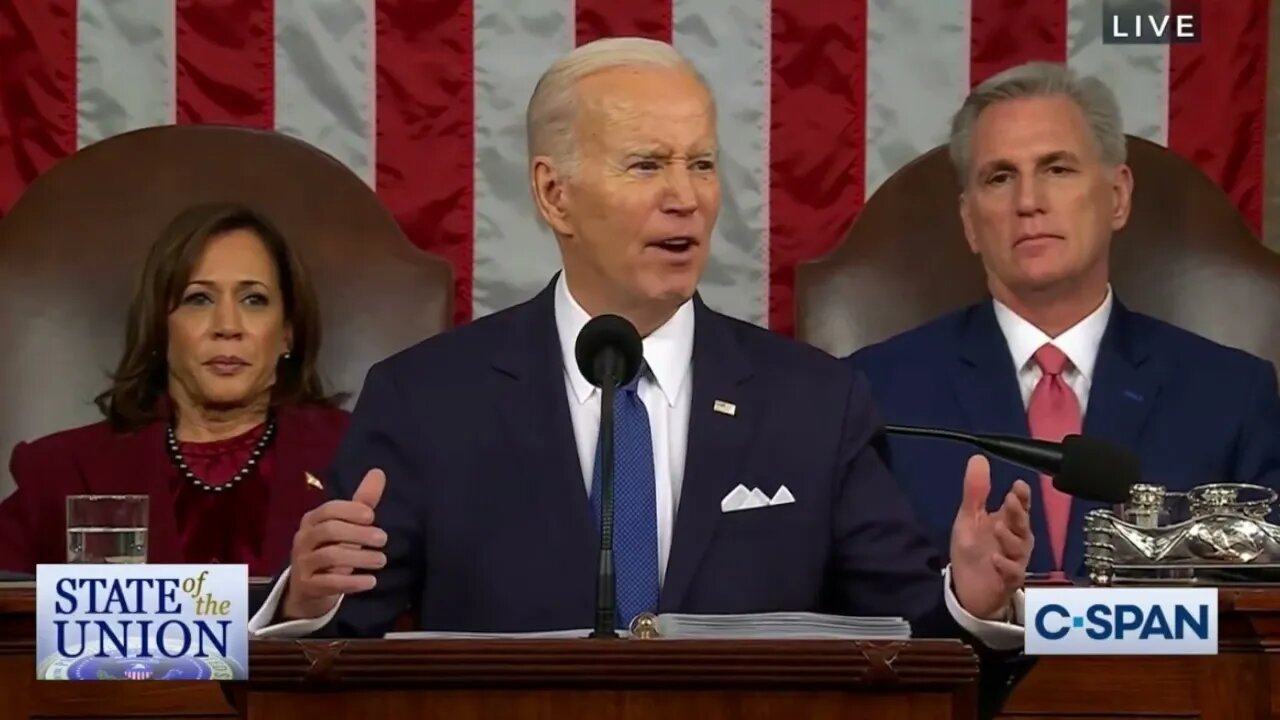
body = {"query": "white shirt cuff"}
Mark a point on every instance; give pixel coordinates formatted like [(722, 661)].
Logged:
[(992, 633), (258, 624)]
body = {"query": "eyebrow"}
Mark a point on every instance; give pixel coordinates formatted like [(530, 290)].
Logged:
[(212, 284), (659, 152), (1058, 156)]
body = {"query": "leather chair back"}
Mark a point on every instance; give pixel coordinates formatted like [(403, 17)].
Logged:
[(73, 244), (1185, 256)]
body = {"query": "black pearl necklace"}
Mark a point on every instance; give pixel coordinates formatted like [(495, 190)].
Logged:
[(175, 454)]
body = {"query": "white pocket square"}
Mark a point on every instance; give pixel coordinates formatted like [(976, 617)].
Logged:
[(740, 498)]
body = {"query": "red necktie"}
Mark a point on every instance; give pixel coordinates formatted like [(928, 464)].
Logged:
[(1052, 414)]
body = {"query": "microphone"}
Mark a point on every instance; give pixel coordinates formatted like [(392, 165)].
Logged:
[(1081, 466), (608, 351)]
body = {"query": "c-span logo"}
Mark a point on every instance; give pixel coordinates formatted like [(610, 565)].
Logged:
[(1122, 621), (142, 622)]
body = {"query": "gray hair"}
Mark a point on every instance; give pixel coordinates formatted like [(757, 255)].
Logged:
[(1039, 79), (552, 113)]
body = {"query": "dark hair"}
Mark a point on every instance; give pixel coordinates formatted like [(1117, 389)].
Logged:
[(141, 379)]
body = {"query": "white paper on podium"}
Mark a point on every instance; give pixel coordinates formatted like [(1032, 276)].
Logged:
[(784, 626), (756, 626)]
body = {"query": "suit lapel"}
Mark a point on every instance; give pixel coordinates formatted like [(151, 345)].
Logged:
[(1126, 381), (986, 387), (718, 442), (986, 383), (535, 415)]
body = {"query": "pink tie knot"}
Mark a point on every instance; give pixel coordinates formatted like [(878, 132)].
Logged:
[(1051, 360)]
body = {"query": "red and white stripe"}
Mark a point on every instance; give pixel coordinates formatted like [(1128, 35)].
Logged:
[(819, 103)]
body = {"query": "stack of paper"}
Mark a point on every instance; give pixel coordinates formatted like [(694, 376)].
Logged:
[(758, 626), (783, 626)]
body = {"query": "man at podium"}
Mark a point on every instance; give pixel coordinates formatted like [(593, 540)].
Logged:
[(748, 471)]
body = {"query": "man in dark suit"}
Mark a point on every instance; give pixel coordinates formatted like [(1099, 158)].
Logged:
[(748, 468), (1041, 158)]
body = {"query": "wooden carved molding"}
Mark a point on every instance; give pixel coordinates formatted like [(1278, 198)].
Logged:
[(323, 658), (880, 660), (583, 663), (19, 600)]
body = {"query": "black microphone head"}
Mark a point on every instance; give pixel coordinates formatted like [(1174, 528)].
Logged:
[(611, 339), (1097, 470)]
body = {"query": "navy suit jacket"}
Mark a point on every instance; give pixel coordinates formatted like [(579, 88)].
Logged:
[(489, 523), (1194, 411)]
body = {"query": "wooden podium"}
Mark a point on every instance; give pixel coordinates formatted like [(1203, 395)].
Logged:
[(23, 698), (1241, 681), (642, 678), (625, 679), (518, 679)]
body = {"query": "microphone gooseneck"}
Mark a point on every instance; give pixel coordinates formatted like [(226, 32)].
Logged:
[(1081, 466), (608, 352)]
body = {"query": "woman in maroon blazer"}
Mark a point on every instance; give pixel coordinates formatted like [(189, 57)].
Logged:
[(216, 410)]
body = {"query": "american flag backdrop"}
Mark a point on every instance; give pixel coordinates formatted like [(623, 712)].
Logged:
[(820, 101)]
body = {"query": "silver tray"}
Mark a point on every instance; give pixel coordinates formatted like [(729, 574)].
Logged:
[(1215, 534)]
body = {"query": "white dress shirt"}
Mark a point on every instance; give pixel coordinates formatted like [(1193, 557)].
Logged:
[(666, 390), (1079, 343)]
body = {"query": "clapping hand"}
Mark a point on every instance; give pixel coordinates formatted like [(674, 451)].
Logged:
[(990, 550)]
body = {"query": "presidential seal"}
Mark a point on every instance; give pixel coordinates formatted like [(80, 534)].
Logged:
[(116, 668), (90, 665)]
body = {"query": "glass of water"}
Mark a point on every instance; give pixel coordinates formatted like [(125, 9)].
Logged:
[(106, 529)]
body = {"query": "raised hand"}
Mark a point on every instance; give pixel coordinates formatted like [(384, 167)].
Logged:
[(332, 543), (990, 550)]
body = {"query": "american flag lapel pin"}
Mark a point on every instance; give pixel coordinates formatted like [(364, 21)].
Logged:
[(314, 482), (725, 408)]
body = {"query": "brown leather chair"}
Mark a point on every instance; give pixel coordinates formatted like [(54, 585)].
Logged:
[(71, 247), (1186, 256)]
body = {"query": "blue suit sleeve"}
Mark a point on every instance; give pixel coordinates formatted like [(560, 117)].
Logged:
[(885, 563), (381, 436), (1257, 453)]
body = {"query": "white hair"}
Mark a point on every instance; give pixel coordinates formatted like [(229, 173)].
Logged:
[(552, 113), (1040, 79)]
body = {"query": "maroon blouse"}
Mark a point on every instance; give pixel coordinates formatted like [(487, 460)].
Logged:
[(252, 523), (227, 526)]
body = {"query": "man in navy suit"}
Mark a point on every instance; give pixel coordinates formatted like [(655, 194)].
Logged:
[(467, 485), (1041, 157)]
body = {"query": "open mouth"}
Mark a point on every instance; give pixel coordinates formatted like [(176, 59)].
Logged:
[(678, 245)]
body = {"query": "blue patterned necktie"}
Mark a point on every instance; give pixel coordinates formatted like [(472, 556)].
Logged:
[(635, 514)]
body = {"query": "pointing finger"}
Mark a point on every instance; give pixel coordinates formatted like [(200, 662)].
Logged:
[(1015, 515), (1022, 491)]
